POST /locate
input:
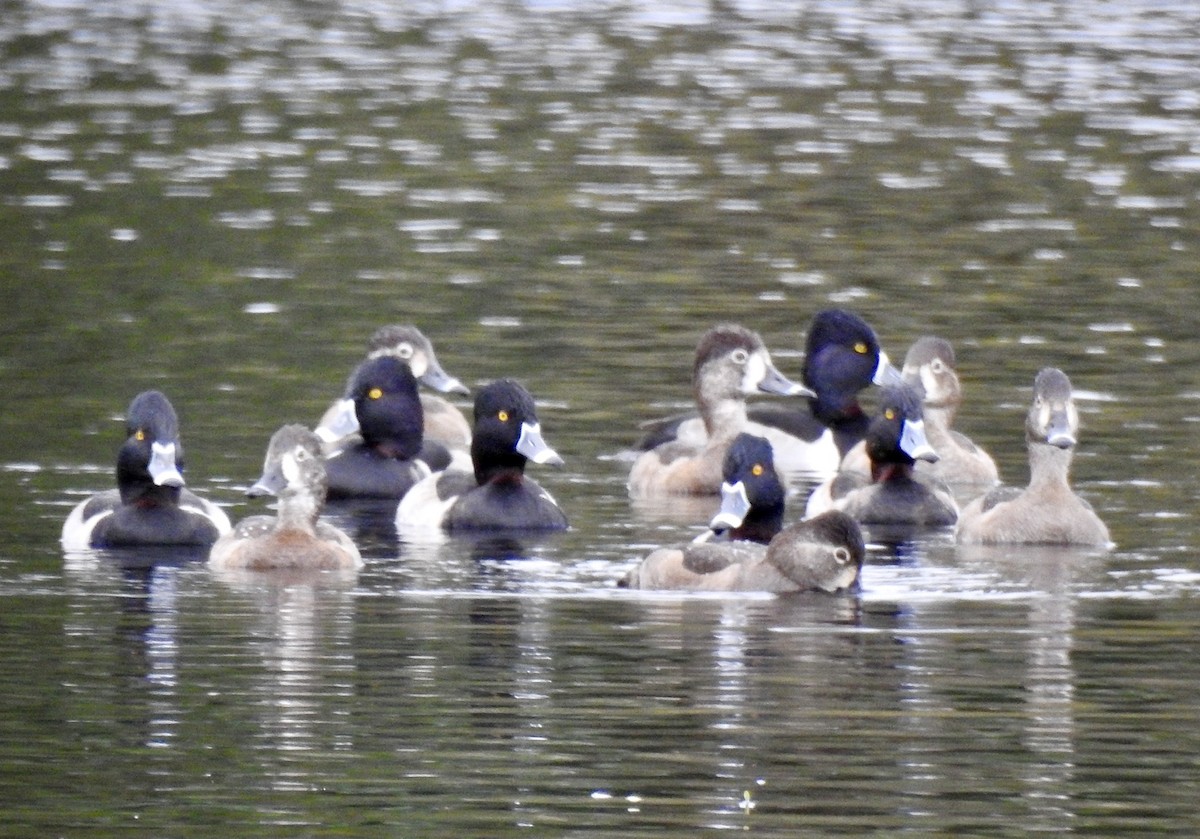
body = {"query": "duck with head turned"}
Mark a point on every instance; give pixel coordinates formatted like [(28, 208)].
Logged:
[(443, 422), (1047, 511), (496, 495), (730, 363), (895, 442), (295, 539), (391, 455), (150, 506)]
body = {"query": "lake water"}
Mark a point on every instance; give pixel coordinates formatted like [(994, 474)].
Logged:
[(223, 200)]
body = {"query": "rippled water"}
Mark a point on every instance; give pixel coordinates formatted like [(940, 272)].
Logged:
[(224, 200)]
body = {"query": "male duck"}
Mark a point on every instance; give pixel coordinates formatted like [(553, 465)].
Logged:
[(895, 441), (391, 455), (443, 422), (751, 514), (931, 367), (1047, 511), (295, 538), (842, 357), (497, 495), (150, 505), (730, 363)]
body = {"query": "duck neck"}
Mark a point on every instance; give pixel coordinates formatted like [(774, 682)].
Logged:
[(888, 471), (1049, 467), (724, 418), (297, 511), (937, 425), (759, 525)]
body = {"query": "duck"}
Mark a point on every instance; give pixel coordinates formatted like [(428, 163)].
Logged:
[(966, 468), (730, 362), (895, 442), (495, 495), (750, 515), (824, 553), (151, 504), (391, 454), (842, 357), (443, 421), (294, 538), (1047, 511)]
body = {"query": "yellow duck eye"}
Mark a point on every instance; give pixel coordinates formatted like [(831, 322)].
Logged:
[(889, 414), (757, 469), (374, 393), (139, 435), (860, 348), (502, 416)]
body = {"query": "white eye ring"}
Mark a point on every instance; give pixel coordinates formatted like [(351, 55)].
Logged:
[(841, 556), (937, 366), (739, 356), (404, 350), (302, 455)]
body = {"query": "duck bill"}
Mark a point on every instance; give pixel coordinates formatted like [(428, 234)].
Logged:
[(271, 483), (344, 420), (162, 468), (886, 374), (1058, 432), (775, 382), (534, 447), (734, 507), (913, 442), (441, 381)]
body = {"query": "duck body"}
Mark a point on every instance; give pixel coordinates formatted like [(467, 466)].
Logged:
[(894, 495), (391, 455), (1047, 511), (809, 438), (730, 363), (496, 495), (442, 421), (151, 505), (295, 538)]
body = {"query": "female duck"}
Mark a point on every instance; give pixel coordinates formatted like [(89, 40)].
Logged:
[(1047, 511), (295, 538), (731, 362), (443, 422), (150, 505), (930, 366), (497, 495), (390, 457), (842, 357), (895, 442)]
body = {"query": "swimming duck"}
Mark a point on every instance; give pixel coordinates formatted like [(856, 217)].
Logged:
[(1047, 511), (750, 515), (824, 553), (842, 357), (443, 422), (730, 363), (294, 538), (496, 495), (930, 366), (895, 442), (391, 456), (150, 505)]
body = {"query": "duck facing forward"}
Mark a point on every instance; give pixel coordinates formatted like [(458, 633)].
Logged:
[(895, 442), (150, 506), (391, 455), (443, 422), (730, 363), (497, 495), (1047, 511), (294, 538)]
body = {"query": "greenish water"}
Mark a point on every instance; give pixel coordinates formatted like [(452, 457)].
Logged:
[(224, 200)]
